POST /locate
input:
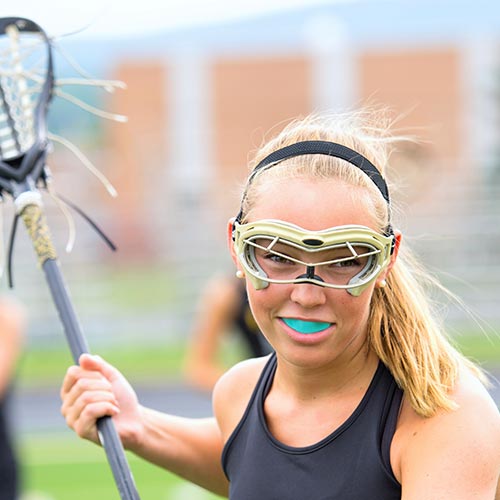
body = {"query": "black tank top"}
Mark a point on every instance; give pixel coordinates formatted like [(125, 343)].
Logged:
[(352, 463)]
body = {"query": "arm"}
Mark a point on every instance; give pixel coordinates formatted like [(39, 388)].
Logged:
[(190, 448), (453, 454), (12, 328), (215, 314), (196, 445)]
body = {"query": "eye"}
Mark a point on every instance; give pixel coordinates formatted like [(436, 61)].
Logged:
[(277, 258), (348, 263)]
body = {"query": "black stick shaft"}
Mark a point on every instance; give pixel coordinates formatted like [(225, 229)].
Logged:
[(60, 295), (110, 440)]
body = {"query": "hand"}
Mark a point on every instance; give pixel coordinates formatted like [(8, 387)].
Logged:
[(95, 389)]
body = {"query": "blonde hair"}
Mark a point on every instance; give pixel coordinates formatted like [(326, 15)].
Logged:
[(404, 329)]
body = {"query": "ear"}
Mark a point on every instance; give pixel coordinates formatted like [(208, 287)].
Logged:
[(230, 242), (397, 242)]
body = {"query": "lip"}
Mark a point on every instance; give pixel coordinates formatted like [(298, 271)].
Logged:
[(306, 338)]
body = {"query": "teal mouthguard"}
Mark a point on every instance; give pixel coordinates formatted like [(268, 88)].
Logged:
[(306, 326)]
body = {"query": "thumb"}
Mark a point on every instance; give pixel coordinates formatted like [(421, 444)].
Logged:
[(94, 362)]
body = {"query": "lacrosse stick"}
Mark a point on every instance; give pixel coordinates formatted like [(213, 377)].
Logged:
[(26, 88)]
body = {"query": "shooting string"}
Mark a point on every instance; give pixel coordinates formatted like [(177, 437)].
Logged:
[(27, 85)]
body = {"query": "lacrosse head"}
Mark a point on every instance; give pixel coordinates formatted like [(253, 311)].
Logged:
[(26, 83), (343, 257)]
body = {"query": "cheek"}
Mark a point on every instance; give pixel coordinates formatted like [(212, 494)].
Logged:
[(259, 300), (354, 310), (263, 302)]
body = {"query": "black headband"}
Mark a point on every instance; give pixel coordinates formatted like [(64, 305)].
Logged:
[(323, 148)]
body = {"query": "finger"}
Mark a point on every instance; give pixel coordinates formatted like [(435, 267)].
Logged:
[(70, 378), (85, 387), (73, 375), (85, 425), (74, 412), (96, 363)]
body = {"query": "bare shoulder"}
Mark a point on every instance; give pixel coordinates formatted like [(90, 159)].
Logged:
[(453, 453), (233, 391), (475, 406)]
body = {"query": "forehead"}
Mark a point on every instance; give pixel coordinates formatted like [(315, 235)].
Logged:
[(313, 204)]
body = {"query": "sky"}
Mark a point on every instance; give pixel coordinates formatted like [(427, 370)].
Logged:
[(126, 18)]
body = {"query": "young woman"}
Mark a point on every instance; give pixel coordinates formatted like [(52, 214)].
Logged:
[(364, 397)]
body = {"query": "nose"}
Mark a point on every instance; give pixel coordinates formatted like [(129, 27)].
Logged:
[(308, 294)]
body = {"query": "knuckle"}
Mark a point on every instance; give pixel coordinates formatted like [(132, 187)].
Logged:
[(81, 384), (72, 371), (90, 412), (69, 422), (86, 398), (79, 431)]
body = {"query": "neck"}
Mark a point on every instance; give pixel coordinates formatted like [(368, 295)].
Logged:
[(349, 372)]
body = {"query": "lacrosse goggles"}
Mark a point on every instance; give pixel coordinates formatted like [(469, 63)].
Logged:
[(343, 257)]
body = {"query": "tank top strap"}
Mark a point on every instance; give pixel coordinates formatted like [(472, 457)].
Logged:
[(264, 381), (389, 420)]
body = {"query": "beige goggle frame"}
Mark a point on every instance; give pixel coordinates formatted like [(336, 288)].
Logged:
[(359, 242)]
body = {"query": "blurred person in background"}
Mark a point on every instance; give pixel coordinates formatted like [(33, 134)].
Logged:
[(12, 332), (364, 396), (223, 311)]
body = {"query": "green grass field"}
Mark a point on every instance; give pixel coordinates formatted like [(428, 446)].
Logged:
[(63, 467)]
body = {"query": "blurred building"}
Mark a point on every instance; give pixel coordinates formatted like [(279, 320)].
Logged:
[(199, 101)]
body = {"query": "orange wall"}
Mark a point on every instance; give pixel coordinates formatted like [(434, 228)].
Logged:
[(138, 147), (252, 95), (424, 85)]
